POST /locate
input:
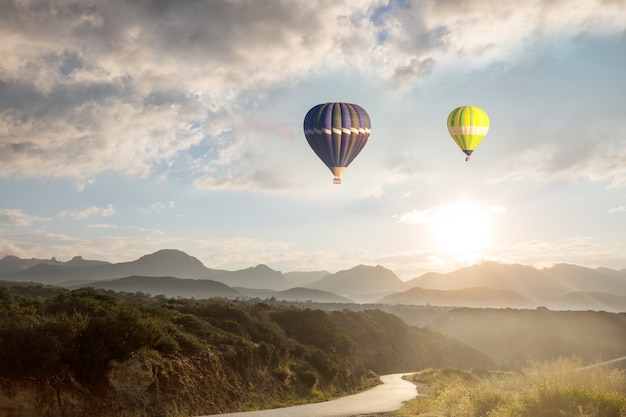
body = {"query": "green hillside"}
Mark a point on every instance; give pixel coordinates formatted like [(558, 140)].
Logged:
[(96, 352)]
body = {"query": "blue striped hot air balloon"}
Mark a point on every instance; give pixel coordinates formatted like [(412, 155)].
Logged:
[(337, 132)]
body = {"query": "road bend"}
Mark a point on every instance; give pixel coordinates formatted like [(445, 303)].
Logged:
[(389, 396)]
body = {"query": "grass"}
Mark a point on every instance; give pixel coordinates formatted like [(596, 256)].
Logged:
[(551, 389)]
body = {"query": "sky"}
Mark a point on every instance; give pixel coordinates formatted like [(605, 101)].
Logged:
[(127, 127)]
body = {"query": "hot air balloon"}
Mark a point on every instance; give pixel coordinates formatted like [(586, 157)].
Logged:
[(337, 132), (468, 125)]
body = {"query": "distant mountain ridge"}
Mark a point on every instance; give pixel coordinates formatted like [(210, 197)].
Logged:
[(363, 283), (166, 262), (10, 264), (536, 284), (467, 297), (562, 286), (169, 287)]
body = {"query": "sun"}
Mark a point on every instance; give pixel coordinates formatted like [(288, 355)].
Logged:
[(461, 228)]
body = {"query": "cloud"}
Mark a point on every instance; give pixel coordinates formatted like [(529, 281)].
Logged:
[(18, 217), (161, 207), (617, 209), (102, 226), (417, 216), (448, 212), (88, 212), (600, 160), (89, 87)]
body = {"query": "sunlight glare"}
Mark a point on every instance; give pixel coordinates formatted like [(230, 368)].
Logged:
[(461, 228)]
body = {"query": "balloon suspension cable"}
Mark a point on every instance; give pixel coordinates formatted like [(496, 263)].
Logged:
[(337, 180)]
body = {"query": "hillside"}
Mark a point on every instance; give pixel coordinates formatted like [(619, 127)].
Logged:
[(468, 297), (303, 278), (294, 294), (539, 285), (167, 262), (361, 283), (11, 264), (581, 300), (89, 352), (513, 337), (168, 286), (259, 277)]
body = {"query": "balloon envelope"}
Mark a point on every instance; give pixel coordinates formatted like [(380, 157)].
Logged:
[(337, 132), (468, 125)]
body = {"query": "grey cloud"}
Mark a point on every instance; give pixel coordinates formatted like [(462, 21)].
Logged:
[(26, 102), (125, 86), (416, 68), (84, 78)]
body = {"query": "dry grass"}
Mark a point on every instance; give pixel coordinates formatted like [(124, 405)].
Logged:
[(553, 389)]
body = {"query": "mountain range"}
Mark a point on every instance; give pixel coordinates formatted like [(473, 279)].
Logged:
[(174, 273)]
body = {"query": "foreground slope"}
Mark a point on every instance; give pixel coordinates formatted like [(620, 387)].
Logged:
[(88, 352)]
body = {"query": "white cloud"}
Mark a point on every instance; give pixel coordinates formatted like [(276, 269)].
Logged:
[(18, 217), (102, 226), (417, 216), (447, 212), (161, 207), (88, 212)]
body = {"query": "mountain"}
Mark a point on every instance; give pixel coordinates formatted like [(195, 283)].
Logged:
[(579, 278), (467, 297), (166, 262), (302, 279), (539, 285), (591, 288), (361, 283), (11, 264), (599, 301), (295, 294), (259, 277), (169, 287)]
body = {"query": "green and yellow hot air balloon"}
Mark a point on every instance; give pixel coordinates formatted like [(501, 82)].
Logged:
[(468, 125)]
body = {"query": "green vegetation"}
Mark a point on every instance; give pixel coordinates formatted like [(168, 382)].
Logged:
[(96, 352), (551, 389), (83, 331), (77, 352)]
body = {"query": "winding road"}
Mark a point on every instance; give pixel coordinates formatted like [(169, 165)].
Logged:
[(388, 396)]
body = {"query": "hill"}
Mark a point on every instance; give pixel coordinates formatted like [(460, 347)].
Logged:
[(303, 278), (294, 294), (539, 285), (168, 286), (361, 283), (598, 288), (468, 297), (88, 352), (259, 277), (167, 262), (11, 264), (581, 300), (513, 337)]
